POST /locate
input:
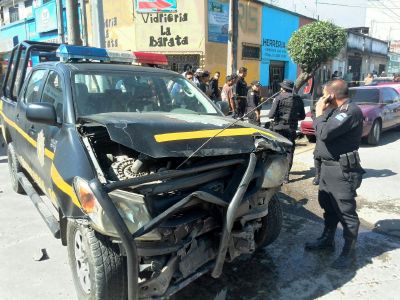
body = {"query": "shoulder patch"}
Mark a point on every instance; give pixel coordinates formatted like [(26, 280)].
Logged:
[(345, 107), (341, 116)]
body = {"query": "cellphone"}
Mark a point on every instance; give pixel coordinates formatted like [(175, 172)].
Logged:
[(329, 99)]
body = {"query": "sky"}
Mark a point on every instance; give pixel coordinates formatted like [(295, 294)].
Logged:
[(382, 16)]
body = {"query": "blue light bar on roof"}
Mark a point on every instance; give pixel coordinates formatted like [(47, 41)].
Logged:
[(68, 52)]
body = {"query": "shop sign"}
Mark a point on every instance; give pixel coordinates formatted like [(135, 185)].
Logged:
[(394, 46), (218, 21), (46, 17), (154, 6), (171, 31)]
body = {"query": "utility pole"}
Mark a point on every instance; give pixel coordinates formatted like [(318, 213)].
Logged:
[(98, 33), (233, 36), (60, 21), (82, 3), (74, 36)]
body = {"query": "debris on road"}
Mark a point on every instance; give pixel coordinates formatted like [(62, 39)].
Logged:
[(41, 255)]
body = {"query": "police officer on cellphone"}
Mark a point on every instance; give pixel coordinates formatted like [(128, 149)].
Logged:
[(338, 126)]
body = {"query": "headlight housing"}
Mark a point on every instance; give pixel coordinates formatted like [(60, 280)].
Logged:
[(130, 206), (275, 171)]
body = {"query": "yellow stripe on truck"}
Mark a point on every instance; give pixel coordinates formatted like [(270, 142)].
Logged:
[(26, 136), (63, 186), (55, 176), (201, 134)]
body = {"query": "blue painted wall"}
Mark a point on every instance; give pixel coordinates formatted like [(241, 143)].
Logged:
[(26, 29), (277, 28)]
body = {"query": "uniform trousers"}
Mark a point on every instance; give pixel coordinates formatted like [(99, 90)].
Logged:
[(241, 104), (291, 135), (337, 192)]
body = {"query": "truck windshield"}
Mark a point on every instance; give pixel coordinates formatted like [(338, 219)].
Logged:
[(96, 93)]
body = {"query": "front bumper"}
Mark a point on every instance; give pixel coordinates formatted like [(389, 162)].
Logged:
[(128, 240)]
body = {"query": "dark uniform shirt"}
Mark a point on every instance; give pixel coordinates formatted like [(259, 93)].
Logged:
[(253, 100), (338, 131), (287, 109), (241, 87), (215, 94)]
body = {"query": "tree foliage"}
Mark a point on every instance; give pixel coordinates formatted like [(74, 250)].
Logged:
[(314, 44)]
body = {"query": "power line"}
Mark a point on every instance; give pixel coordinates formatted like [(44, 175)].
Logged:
[(354, 6)]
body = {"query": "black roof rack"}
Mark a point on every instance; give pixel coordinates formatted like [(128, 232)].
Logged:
[(28, 47)]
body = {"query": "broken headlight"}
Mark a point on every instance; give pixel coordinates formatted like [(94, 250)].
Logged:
[(275, 171), (130, 206)]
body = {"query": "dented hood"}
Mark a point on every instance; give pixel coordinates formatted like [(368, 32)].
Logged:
[(179, 135)]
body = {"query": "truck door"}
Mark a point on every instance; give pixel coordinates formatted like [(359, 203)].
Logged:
[(46, 135), (26, 143)]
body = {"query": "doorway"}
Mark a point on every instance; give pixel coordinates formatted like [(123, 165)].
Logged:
[(276, 76)]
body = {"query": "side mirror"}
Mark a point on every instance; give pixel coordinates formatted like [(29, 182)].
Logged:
[(224, 107), (44, 113)]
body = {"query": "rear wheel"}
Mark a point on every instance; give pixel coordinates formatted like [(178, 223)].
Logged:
[(271, 224), (374, 135), (98, 269), (14, 167)]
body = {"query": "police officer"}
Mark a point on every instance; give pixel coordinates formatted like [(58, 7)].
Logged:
[(286, 111), (338, 126), (240, 91), (253, 100)]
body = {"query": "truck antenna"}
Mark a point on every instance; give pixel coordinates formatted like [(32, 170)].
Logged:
[(223, 129)]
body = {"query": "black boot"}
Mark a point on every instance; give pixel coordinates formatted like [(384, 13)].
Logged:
[(316, 180), (325, 242), (347, 258)]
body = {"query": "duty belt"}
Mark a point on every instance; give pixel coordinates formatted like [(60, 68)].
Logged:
[(330, 163)]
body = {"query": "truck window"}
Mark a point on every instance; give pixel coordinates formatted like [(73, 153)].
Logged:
[(35, 83), (53, 93)]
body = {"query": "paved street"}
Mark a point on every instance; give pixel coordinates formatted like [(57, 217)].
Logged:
[(281, 271), (378, 196)]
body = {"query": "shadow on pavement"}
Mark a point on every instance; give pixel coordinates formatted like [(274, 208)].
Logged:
[(390, 227), (3, 149), (284, 270), (387, 138), (304, 174), (372, 173)]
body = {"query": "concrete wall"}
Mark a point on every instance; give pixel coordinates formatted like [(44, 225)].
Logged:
[(250, 17), (119, 21)]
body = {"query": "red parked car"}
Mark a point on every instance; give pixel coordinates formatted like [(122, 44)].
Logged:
[(380, 106)]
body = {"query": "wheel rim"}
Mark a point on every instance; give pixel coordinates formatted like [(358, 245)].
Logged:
[(377, 131), (82, 264)]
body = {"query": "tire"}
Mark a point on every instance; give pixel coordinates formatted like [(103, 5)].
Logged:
[(271, 224), (98, 268), (14, 167), (311, 138), (374, 135)]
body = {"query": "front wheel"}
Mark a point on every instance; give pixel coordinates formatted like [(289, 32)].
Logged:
[(374, 135), (98, 268), (271, 224)]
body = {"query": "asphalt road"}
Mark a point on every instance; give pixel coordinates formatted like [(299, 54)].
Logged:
[(379, 194), (281, 271)]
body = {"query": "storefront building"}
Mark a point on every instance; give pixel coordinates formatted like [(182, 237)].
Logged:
[(196, 33)]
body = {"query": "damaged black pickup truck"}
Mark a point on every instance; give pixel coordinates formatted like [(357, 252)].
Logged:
[(152, 186)]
